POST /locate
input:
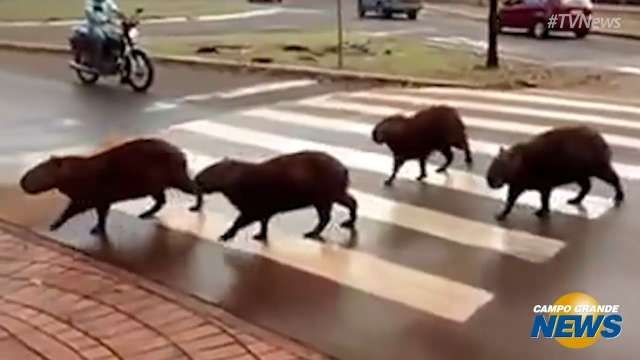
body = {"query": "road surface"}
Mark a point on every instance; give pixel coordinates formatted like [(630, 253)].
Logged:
[(432, 27), (428, 275)]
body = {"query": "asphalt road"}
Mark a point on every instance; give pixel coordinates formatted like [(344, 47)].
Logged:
[(428, 275), (432, 27)]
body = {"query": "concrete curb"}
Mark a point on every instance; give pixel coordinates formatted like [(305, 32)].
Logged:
[(308, 71), (477, 17), (616, 35)]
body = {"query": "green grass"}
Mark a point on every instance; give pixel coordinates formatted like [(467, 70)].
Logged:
[(14, 10), (398, 56)]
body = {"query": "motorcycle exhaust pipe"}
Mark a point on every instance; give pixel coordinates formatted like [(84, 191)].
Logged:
[(79, 67)]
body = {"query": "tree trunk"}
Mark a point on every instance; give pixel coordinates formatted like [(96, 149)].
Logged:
[(492, 53)]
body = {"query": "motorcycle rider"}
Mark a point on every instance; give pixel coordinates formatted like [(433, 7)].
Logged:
[(101, 16)]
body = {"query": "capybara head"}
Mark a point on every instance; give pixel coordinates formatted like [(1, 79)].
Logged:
[(219, 176), (503, 168), (387, 127), (44, 176)]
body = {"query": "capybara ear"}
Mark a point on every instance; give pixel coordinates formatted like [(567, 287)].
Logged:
[(501, 151)]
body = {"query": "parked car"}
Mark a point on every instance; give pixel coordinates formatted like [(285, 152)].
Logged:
[(534, 15), (387, 8)]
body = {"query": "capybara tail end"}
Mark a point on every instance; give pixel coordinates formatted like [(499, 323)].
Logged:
[(463, 145), (186, 185), (609, 175), (350, 203)]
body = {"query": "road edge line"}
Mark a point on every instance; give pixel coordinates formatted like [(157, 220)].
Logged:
[(308, 71)]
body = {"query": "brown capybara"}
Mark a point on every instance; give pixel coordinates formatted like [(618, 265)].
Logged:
[(135, 169), (554, 158), (289, 182), (438, 128)]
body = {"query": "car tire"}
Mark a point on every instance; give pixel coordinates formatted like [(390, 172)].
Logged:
[(581, 34), (539, 30), (387, 14), (412, 15)]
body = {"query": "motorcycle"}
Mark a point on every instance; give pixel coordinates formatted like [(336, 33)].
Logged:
[(122, 57)]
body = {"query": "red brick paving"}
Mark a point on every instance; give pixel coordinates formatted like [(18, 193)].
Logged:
[(56, 304)]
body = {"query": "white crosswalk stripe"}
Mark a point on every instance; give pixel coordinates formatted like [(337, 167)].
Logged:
[(569, 117), (485, 123), (529, 99)]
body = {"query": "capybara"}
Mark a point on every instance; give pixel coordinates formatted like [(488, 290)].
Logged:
[(554, 158), (438, 128), (135, 169), (289, 182)]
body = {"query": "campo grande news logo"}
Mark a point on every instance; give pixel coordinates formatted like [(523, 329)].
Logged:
[(576, 321)]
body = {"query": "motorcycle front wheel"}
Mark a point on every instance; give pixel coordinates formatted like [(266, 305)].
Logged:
[(139, 71)]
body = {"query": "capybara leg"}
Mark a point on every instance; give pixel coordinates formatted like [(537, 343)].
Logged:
[(397, 164), (101, 226), (73, 209), (240, 222), (545, 197), (585, 187), (448, 155), (350, 203), (609, 176), (264, 229), (324, 215), (423, 168), (160, 200), (512, 197), (185, 184)]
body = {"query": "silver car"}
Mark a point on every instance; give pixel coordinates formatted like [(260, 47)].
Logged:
[(387, 8)]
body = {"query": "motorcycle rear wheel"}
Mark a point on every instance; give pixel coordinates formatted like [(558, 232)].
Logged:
[(85, 77)]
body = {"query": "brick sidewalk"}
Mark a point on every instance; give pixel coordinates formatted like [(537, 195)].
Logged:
[(59, 305)]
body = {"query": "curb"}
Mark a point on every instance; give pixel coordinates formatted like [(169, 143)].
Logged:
[(308, 71), (616, 35), (476, 17), (188, 301)]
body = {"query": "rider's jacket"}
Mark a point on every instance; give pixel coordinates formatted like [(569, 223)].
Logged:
[(101, 14)]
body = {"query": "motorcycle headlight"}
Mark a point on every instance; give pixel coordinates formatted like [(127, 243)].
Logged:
[(134, 34)]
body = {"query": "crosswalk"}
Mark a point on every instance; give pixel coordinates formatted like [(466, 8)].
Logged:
[(340, 124)]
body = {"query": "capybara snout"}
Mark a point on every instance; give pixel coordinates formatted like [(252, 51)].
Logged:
[(438, 128), (554, 158), (502, 168), (289, 182), (43, 177), (135, 169), (216, 177)]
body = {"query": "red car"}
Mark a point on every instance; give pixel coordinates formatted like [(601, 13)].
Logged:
[(534, 15)]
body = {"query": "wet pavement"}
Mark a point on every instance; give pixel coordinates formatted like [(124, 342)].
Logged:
[(429, 274)]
